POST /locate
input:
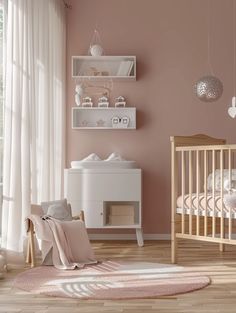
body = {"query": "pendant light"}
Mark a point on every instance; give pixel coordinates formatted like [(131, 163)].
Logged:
[(208, 88)]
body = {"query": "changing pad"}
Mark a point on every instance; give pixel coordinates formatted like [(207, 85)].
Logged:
[(102, 164), (93, 161)]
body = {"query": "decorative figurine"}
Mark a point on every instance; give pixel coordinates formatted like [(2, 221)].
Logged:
[(232, 109), (103, 102), (87, 102), (78, 94), (120, 102)]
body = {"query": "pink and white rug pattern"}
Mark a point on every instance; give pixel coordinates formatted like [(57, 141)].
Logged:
[(112, 280)]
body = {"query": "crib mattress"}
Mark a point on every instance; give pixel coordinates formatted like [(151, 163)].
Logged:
[(199, 206)]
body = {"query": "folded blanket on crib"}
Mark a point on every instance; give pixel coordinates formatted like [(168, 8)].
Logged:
[(64, 244), (228, 185), (230, 200)]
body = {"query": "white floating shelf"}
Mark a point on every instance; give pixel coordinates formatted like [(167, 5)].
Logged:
[(87, 118), (102, 67)]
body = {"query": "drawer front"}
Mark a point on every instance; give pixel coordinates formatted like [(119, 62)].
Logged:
[(93, 212), (116, 187), (102, 187)]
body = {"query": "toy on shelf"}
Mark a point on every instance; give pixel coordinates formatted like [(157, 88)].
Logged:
[(103, 102), (78, 94), (87, 102), (120, 122), (120, 102)]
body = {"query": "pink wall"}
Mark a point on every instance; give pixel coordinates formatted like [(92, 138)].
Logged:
[(170, 41)]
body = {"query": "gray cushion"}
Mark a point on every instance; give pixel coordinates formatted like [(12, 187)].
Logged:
[(58, 209)]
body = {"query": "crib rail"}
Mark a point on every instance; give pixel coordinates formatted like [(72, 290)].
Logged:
[(201, 177)]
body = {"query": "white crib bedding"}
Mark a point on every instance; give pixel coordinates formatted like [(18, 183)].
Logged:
[(198, 206)]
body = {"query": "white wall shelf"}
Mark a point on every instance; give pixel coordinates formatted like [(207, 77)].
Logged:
[(88, 118), (102, 67)]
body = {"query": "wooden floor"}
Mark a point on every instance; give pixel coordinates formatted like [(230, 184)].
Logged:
[(220, 296)]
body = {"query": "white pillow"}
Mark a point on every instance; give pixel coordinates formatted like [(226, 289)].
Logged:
[(45, 205), (59, 209), (59, 212)]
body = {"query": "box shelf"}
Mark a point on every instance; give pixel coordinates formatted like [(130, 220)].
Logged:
[(87, 118), (127, 219), (102, 67)]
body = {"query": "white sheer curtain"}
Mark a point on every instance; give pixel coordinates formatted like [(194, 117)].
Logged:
[(34, 111)]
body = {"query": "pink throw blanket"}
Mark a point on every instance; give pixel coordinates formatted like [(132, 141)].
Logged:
[(64, 244)]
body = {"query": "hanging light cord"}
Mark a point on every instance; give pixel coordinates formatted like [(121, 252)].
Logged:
[(208, 39), (234, 66)]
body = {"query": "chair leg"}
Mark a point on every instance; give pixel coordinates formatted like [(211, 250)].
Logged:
[(28, 255), (31, 242), (82, 215)]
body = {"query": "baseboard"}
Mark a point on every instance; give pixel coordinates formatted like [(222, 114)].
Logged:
[(128, 236)]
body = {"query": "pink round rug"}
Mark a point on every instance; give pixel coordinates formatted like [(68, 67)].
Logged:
[(111, 280)]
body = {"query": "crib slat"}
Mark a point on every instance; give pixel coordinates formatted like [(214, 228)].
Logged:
[(213, 193), (221, 194), (205, 190), (190, 192), (230, 179), (197, 187), (183, 190)]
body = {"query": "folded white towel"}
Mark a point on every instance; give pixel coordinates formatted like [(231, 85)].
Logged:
[(92, 157), (115, 157)]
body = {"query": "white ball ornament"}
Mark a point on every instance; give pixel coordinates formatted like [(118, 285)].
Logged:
[(96, 50)]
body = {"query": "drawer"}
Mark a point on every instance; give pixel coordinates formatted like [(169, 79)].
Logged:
[(102, 187), (116, 187)]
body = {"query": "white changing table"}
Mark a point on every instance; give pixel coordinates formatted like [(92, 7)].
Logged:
[(95, 190)]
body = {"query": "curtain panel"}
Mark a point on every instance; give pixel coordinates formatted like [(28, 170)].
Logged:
[(34, 118)]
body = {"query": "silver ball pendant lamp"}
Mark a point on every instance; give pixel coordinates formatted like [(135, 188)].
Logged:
[(208, 88)]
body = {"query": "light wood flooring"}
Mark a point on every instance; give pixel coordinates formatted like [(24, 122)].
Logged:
[(220, 296)]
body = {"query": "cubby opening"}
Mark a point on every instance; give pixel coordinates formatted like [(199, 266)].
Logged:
[(121, 213)]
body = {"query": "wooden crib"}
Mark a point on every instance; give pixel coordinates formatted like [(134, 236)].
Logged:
[(201, 175)]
